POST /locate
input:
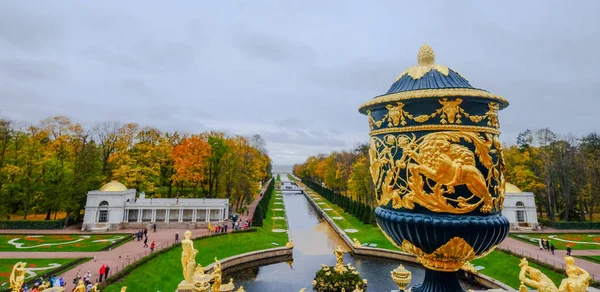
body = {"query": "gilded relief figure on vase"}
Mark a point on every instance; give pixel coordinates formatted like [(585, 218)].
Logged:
[(436, 163)]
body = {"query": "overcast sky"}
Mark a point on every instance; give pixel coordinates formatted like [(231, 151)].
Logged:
[(294, 72)]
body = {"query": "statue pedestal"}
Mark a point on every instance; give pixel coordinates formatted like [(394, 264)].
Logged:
[(185, 286)]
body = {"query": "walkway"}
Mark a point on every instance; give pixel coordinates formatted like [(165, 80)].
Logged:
[(118, 258), (557, 260)]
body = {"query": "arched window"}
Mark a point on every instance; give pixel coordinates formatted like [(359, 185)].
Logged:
[(520, 212), (103, 212)]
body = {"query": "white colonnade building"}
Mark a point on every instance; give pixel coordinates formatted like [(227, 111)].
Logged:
[(519, 208), (115, 207)]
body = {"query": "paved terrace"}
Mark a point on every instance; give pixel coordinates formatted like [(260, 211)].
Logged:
[(116, 259)]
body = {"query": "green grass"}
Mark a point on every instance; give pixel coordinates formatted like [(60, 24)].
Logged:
[(505, 267), (593, 241), (6, 266), (367, 233), (163, 273), (275, 224), (278, 178), (593, 259), (59, 242), (291, 178)]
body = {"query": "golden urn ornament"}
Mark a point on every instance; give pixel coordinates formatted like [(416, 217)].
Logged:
[(436, 163), (401, 277)]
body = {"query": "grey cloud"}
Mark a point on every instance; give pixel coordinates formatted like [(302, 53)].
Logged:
[(31, 70), (272, 48), (29, 27)]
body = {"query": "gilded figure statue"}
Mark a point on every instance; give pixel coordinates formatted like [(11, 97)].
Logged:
[(17, 276), (577, 279), (339, 260), (95, 288), (241, 289), (124, 288), (289, 244), (188, 257), (217, 274), (356, 243), (80, 286), (533, 277)]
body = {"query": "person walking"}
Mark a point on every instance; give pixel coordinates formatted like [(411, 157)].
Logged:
[(146, 232), (101, 272), (568, 250), (540, 242), (177, 237), (152, 245), (106, 270), (225, 227), (146, 242), (154, 226), (552, 248)]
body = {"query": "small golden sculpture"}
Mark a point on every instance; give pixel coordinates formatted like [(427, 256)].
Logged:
[(217, 276), (211, 228), (302, 290), (339, 261), (468, 267), (80, 287), (124, 288), (241, 289), (577, 278), (17, 276), (199, 270), (356, 243), (227, 287), (290, 244), (95, 288), (188, 257), (536, 279), (401, 277), (357, 289)]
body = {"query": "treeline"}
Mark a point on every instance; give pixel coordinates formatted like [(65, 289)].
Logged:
[(50, 166), (260, 213), (562, 171)]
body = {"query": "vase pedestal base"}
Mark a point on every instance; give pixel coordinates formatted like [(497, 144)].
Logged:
[(438, 282)]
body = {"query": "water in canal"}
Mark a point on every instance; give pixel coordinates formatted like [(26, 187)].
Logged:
[(314, 243)]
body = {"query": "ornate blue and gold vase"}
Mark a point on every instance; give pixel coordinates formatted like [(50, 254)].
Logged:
[(436, 162)]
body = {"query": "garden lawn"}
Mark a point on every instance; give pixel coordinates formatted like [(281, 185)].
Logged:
[(581, 241), (291, 178), (269, 221), (6, 266), (164, 273), (593, 259), (59, 242), (367, 233), (505, 268)]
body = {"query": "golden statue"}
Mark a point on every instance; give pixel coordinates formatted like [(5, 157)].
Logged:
[(95, 288), (468, 267), (17, 276), (217, 274), (356, 243), (339, 260), (357, 289), (522, 288), (80, 287), (536, 279), (211, 228), (241, 289), (577, 279), (227, 287), (124, 288), (290, 244), (188, 257)]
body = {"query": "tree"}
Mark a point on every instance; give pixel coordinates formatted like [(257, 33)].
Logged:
[(190, 158)]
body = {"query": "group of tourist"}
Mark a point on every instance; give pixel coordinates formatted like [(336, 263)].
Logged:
[(143, 234), (51, 281), (546, 245)]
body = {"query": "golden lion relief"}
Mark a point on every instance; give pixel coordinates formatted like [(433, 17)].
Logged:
[(440, 162)]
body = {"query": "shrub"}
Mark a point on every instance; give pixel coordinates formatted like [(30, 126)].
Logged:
[(27, 224)]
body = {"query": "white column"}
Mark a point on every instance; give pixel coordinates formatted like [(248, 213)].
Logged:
[(194, 215), (226, 212), (220, 214), (140, 212), (126, 215), (153, 215), (167, 214), (207, 215), (180, 215), (96, 214)]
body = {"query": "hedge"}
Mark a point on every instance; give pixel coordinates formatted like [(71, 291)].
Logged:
[(27, 224), (260, 213), (576, 225), (360, 210)]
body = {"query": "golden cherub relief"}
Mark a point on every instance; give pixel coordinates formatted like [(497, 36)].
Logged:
[(430, 167)]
